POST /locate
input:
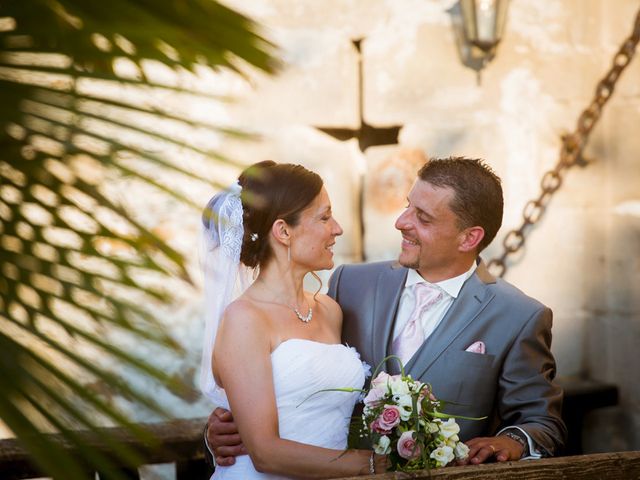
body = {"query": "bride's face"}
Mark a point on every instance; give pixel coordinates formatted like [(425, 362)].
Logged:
[(315, 235)]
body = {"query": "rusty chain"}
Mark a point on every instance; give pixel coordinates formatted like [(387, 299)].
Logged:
[(571, 150)]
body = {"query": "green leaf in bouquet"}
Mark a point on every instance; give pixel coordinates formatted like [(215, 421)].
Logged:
[(437, 414), (344, 389)]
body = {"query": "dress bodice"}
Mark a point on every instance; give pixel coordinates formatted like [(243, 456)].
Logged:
[(301, 368)]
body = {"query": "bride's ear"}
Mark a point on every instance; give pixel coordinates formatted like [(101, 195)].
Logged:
[(281, 231)]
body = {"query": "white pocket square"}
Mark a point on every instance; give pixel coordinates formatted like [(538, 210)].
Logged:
[(476, 347)]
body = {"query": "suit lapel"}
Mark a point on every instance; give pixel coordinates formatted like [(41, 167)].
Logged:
[(472, 299), (388, 291)]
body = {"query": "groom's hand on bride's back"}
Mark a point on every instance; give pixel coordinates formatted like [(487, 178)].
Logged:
[(223, 438)]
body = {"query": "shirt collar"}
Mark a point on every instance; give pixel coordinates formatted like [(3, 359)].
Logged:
[(451, 285)]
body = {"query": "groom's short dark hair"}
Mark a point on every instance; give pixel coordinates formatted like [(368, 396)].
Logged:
[(478, 193)]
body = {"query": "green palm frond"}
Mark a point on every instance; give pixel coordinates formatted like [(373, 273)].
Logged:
[(78, 106)]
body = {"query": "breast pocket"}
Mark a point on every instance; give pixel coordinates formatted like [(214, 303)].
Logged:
[(470, 382), (474, 361)]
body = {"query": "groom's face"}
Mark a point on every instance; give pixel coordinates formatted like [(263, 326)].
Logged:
[(430, 234)]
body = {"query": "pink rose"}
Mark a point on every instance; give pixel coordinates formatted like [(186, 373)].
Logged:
[(373, 397), (407, 447), (380, 381), (390, 417), (424, 391), (376, 427)]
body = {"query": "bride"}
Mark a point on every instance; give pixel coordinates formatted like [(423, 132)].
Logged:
[(273, 347)]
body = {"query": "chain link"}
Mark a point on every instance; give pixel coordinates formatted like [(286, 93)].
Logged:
[(570, 153)]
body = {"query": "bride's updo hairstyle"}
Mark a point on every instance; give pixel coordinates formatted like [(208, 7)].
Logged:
[(272, 191)]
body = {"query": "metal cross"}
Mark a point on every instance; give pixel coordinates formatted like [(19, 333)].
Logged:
[(367, 135)]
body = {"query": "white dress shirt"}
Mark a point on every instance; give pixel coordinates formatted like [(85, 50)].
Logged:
[(434, 315)]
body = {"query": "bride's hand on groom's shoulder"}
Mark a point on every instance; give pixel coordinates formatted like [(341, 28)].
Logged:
[(223, 438)]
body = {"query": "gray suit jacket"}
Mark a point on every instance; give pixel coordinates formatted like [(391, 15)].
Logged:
[(511, 384)]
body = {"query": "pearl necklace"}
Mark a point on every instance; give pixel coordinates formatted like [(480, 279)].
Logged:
[(304, 318)]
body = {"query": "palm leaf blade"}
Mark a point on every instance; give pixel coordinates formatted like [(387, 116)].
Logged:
[(61, 289)]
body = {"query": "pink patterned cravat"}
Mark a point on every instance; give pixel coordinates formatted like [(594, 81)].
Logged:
[(412, 336)]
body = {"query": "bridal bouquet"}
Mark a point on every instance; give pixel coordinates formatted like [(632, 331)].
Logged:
[(402, 418)]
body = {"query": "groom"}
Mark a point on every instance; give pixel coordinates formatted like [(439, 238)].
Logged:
[(481, 343)]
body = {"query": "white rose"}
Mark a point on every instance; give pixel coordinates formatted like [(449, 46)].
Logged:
[(461, 451), (382, 446), (398, 386), (449, 428), (442, 455)]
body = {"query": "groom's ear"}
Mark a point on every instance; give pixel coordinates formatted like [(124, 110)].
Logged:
[(281, 231), (470, 238)]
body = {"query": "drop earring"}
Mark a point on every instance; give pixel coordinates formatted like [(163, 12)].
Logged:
[(289, 253)]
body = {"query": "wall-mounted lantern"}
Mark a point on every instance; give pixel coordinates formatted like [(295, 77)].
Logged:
[(479, 25)]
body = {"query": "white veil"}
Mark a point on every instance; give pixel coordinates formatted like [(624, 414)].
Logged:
[(224, 276)]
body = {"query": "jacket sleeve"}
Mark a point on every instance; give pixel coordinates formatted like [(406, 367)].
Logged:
[(529, 399)]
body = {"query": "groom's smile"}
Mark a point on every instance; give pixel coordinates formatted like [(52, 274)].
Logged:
[(409, 242)]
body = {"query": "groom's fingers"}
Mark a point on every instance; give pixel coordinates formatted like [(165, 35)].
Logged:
[(217, 428), (230, 450), (222, 414), (482, 455), (481, 449), (503, 455), (500, 448), (220, 422), (225, 461), (226, 456), (231, 440), (223, 437)]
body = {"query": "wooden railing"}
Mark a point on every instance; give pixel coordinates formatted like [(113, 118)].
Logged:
[(601, 466), (184, 446), (180, 442)]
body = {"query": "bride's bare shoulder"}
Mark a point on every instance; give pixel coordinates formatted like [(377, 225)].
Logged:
[(242, 314), (326, 301), (333, 310)]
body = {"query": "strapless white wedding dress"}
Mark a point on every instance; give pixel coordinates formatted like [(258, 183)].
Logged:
[(300, 369)]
